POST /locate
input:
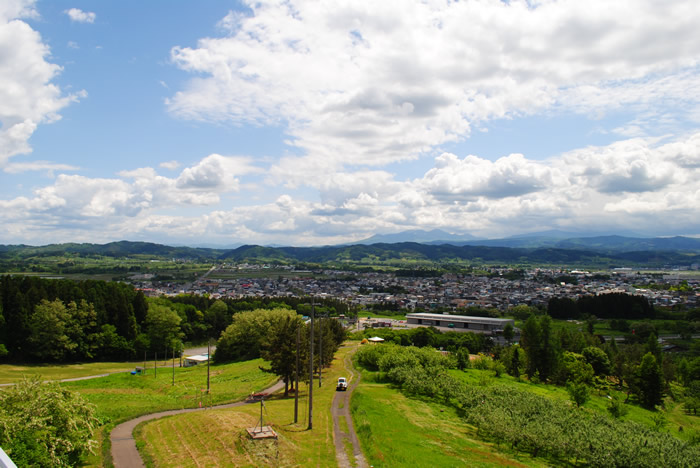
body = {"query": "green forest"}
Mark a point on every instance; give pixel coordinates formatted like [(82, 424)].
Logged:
[(43, 320)]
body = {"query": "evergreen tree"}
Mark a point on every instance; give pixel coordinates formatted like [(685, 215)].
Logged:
[(649, 382), (531, 340), (279, 348)]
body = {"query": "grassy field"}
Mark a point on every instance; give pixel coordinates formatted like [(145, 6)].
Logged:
[(120, 397), (218, 437), (395, 430), (12, 373)]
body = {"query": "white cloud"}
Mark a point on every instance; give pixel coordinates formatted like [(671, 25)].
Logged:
[(17, 168), (370, 83), (27, 96), (172, 165), (652, 185), (454, 179), (79, 16), (215, 172)]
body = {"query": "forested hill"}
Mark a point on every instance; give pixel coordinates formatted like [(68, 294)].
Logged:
[(112, 249), (410, 251), (376, 253)]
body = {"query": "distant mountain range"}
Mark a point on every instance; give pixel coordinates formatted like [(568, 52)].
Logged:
[(613, 250), (552, 239), (424, 237)]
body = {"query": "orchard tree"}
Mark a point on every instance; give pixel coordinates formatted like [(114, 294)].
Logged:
[(579, 392), (45, 424)]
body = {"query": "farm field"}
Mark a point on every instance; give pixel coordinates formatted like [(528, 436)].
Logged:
[(221, 439)]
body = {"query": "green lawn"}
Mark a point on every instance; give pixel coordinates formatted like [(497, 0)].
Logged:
[(122, 396), (10, 373)]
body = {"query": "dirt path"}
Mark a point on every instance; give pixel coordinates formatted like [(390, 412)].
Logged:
[(341, 409), (124, 452)]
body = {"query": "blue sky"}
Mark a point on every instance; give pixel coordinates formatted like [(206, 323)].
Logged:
[(301, 123)]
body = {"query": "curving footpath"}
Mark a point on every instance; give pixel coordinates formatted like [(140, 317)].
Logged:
[(124, 452), (342, 437)]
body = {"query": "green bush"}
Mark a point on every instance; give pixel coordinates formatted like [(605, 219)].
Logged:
[(45, 424)]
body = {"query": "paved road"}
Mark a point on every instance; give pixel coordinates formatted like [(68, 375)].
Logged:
[(124, 452), (340, 436)]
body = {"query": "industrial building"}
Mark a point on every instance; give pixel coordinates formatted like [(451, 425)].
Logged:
[(460, 322)]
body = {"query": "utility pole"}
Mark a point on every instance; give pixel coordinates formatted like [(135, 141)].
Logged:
[(155, 365), (173, 365), (144, 363), (311, 368), (208, 360), (296, 377), (320, 349)]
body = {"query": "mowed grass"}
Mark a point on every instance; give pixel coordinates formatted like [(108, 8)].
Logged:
[(123, 396), (221, 439), (395, 430), (120, 397), (11, 373)]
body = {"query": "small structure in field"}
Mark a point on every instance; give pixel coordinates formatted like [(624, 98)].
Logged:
[(190, 361), (260, 431)]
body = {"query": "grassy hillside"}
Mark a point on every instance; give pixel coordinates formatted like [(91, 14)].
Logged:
[(395, 430)]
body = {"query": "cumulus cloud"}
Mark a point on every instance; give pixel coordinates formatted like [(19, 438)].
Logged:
[(603, 188), (365, 84), (215, 172), (79, 16), (472, 177), (28, 97)]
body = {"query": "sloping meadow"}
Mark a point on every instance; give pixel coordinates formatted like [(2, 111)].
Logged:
[(527, 422)]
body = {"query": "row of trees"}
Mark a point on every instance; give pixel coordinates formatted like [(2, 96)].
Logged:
[(614, 305), (429, 336), (575, 358), (273, 335), (525, 421)]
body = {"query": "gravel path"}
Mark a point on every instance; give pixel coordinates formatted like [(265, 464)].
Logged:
[(343, 399), (124, 452)]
